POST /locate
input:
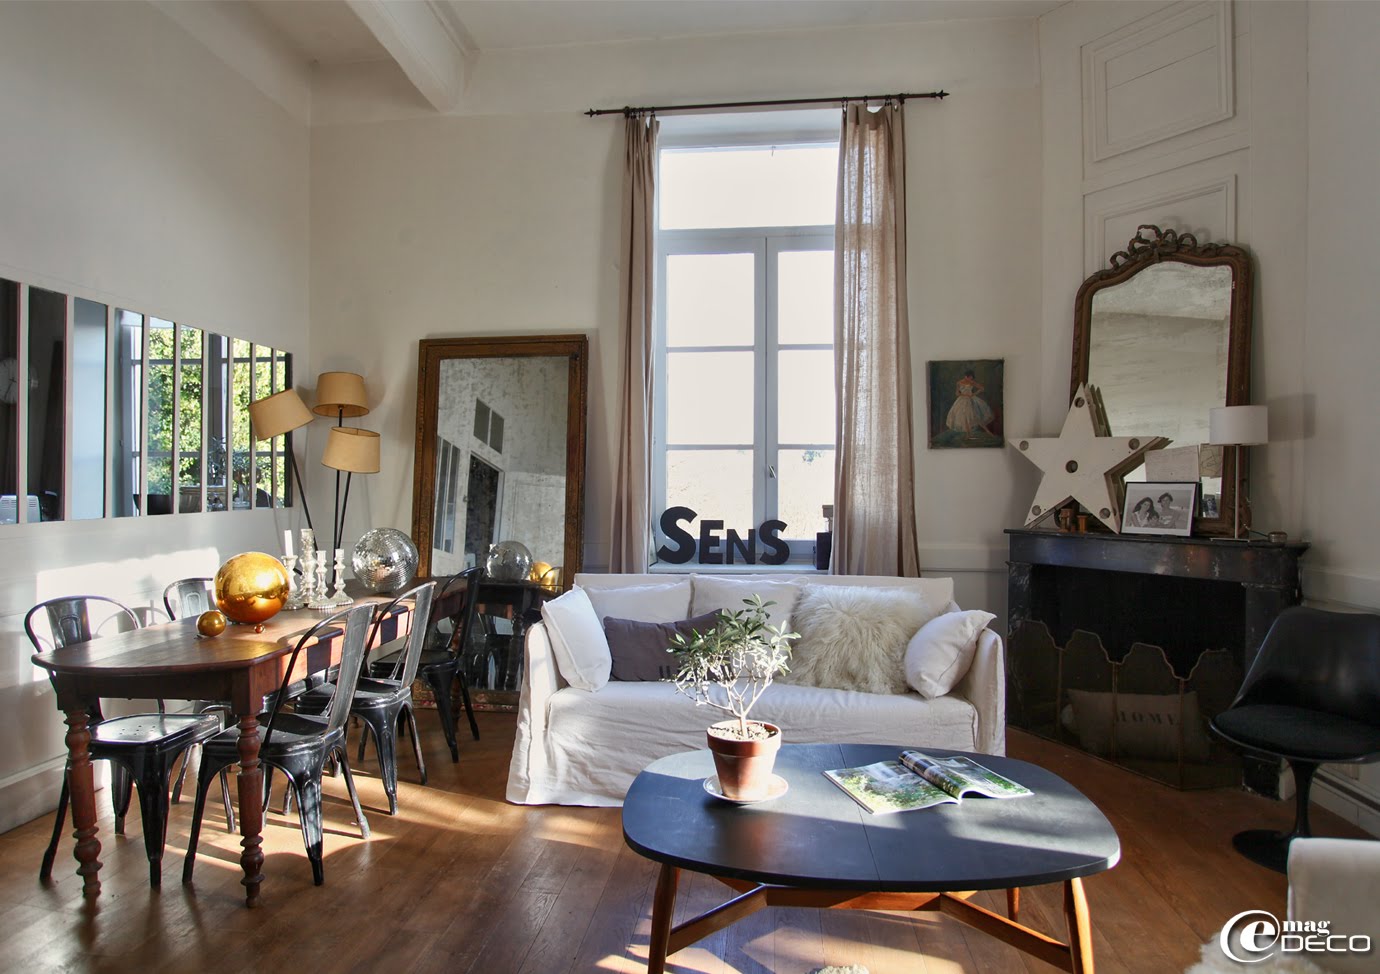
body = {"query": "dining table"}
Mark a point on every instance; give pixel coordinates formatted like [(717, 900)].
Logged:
[(241, 666)]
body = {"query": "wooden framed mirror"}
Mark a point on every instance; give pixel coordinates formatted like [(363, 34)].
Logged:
[(1165, 334), (500, 450)]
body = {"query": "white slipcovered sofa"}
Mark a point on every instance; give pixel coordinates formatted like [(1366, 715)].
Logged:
[(582, 747)]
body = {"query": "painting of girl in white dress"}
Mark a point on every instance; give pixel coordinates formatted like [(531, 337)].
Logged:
[(965, 404)]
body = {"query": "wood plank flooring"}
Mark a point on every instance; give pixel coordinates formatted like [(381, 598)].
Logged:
[(461, 881)]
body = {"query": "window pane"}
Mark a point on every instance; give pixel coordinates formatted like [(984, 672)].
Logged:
[(709, 397), (715, 484), (805, 396), (241, 454), (160, 379), (129, 395), (47, 399), (88, 409), (189, 421), (9, 399), (748, 187), (806, 485), (805, 297), (709, 299), (282, 373), (217, 379), (263, 449)]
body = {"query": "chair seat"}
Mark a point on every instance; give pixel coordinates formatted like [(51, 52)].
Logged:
[(369, 692), (164, 731), (1296, 732), (383, 665), (291, 732)]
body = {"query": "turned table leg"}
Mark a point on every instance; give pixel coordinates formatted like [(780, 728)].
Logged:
[(663, 909), (82, 786), (1080, 927), (251, 783)]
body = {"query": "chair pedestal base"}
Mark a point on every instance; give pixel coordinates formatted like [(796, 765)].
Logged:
[(1265, 847)]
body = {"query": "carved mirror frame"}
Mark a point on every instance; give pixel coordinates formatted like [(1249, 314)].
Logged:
[(1151, 246), (435, 351)]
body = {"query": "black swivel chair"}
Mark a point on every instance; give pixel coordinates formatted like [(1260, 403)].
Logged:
[(141, 748), (298, 744), (383, 702), (1312, 697), (443, 655)]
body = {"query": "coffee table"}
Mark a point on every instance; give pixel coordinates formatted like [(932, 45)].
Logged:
[(816, 847)]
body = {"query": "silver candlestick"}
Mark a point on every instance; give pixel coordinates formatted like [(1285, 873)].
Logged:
[(338, 597), (294, 600)]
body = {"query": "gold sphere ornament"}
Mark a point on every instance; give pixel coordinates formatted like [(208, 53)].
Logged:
[(211, 622), (251, 587)]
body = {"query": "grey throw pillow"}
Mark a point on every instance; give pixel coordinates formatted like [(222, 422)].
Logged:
[(639, 648)]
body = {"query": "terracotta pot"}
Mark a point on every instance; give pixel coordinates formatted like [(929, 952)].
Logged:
[(744, 767)]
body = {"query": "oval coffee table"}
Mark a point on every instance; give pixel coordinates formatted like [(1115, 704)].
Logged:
[(816, 847)]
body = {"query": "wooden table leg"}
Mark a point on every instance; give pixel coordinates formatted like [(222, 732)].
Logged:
[(663, 910), (1013, 903), (251, 784), (81, 784), (1080, 927)]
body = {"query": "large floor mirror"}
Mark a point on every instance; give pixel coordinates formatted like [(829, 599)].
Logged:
[(1165, 334)]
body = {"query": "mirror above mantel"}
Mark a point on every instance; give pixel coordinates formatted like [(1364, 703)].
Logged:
[(1165, 334), (500, 450)]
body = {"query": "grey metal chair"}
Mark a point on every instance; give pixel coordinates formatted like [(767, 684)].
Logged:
[(141, 748), (189, 597)]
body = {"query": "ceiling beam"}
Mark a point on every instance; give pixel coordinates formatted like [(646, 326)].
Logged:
[(425, 40)]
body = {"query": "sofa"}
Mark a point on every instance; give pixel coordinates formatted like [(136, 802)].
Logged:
[(584, 747)]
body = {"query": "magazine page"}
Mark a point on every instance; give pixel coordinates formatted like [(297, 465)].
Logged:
[(958, 775), (888, 787)]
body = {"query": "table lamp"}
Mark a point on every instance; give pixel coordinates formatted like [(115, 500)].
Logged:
[(1238, 426), (349, 450), (277, 415)]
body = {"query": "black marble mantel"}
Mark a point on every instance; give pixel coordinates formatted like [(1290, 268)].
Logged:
[(1185, 594)]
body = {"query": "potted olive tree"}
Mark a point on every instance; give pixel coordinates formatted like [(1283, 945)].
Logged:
[(728, 668)]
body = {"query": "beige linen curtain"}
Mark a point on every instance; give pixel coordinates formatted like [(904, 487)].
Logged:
[(874, 506), (630, 523)]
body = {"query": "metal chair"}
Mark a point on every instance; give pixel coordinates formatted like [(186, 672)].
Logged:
[(298, 744), (382, 702), (441, 663), (141, 748), (189, 597), (1312, 697)]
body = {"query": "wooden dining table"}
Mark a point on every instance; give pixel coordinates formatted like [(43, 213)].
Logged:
[(171, 661)]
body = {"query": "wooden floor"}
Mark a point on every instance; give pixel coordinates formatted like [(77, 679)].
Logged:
[(461, 881)]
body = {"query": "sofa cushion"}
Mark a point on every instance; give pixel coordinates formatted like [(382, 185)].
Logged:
[(577, 640), (854, 637), (938, 656), (640, 650), (715, 592), (669, 602)]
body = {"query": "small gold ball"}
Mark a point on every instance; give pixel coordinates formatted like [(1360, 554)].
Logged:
[(211, 622)]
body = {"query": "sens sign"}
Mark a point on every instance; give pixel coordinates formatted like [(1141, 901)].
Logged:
[(711, 548)]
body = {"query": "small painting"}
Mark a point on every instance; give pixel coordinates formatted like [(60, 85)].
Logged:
[(966, 404), (1159, 508)]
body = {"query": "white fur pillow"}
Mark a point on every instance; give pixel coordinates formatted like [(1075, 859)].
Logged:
[(940, 654), (853, 637)]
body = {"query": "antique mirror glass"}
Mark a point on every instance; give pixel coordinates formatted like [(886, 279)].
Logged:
[(500, 450), (1165, 335)]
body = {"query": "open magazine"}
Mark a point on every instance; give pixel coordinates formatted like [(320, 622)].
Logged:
[(917, 780)]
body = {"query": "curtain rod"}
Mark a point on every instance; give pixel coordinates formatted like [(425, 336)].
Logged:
[(629, 110)]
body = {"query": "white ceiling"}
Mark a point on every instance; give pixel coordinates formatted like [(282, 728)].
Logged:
[(328, 32)]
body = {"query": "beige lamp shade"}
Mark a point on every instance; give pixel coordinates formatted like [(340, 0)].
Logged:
[(1239, 425), (277, 414), (352, 450), (340, 394)]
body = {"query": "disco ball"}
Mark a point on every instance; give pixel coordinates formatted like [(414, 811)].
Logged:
[(252, 587), (384, 560), (508, 561)]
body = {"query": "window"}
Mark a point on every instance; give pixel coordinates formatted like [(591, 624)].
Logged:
[(744, 418)]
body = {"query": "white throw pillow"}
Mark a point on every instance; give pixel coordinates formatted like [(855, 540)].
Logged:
[(715, 592), (941, 652), (853, 637), (577, 639), (643, 603)]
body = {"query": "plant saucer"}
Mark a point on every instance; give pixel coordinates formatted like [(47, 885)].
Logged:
[(775, 789)]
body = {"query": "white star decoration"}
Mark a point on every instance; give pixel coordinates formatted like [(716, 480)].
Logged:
[(1084, 463)]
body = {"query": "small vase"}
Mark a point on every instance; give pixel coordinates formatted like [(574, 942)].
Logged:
[(744, 767)]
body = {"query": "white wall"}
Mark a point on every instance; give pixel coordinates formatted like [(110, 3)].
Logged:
[(503, 219), (140, 172)]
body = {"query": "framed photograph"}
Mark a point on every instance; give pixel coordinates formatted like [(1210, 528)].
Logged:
[(1159, 508), (966, 404)]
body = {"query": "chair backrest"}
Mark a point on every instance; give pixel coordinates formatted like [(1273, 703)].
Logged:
[(61, 622), (189, 597), (1319, 660), (356, 619), (465, 586), (405, 664)]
